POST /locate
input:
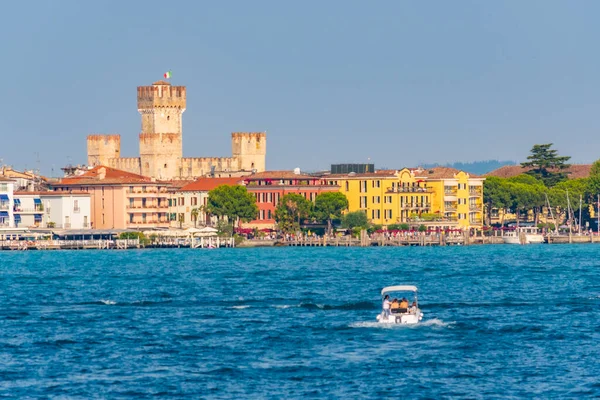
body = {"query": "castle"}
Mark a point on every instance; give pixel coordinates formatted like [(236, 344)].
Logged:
[(161, 151)]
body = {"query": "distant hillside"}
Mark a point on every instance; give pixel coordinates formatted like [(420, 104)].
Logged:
[(475, 167)]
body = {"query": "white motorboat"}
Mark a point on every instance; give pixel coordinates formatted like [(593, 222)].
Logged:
[(396, 315), (523, 235)]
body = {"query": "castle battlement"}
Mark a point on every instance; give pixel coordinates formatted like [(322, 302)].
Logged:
[(161, 106)]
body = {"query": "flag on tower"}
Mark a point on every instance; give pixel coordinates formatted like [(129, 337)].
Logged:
[(167, 75)]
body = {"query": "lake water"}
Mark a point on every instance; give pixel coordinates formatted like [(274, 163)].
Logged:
[(500, 322)]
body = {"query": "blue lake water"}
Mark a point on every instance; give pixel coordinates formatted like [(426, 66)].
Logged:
[(500, 322)]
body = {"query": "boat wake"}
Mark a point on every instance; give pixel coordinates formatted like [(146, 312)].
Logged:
[(241, 307), (108, 302), (435, 322)]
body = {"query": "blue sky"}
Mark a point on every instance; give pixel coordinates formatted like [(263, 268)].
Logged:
[(399, 82)]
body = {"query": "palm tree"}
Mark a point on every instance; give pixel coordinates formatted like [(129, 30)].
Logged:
[(195, 211)]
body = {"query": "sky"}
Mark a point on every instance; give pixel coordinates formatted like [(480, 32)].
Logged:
[(395, 83)]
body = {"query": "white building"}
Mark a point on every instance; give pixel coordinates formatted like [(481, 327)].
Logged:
[(62, 210), (6, 203)]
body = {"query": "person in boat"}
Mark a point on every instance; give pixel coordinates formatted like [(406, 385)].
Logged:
[(394, 306), (386, 305), (413, 307), (403, 306)]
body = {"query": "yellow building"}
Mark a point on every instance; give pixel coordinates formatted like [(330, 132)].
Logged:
[(448, 197)]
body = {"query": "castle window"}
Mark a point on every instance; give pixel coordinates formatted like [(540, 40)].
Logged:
[(165, 165), (168, 117)]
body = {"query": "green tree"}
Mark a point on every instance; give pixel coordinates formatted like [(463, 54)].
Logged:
[(194, 213), (546, 164), (565, 193), (531, 194), (329, 206), (292, 208), (495, 195), (593, 188), (355, 219), (233, 203)]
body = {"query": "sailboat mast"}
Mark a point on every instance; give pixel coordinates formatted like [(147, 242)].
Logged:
[(580, 201), (569, 213)]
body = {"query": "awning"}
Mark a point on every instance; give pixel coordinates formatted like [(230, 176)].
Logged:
[(37, 201), (37, 217), (3, 213), (17, 201), (17, 217), (4, 197)]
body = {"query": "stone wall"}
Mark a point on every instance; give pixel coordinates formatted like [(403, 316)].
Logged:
[(160, 155), (250, 148), (101, 148)]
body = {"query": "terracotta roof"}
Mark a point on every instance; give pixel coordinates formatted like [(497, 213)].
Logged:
[(573, 172), (63, 193), (102, 175), (440, 173), (207, 184), (277, 175)]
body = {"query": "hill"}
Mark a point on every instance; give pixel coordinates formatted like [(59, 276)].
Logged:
[(475, 167)]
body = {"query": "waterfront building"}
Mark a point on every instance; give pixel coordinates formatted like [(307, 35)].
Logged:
[(187, 205), (26, 180), (6, 203), (120, 199), (436, 197), (270, 186), (456, 195), (161, 147), (70, 210)]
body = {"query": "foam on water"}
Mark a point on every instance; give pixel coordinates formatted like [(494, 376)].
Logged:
[(108, 302), (242, 307)]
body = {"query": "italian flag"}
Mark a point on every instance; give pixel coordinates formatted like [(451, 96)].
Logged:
[(167, 75)]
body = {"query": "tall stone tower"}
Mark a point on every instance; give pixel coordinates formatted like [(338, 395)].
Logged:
[(161, 106), (250, 149)]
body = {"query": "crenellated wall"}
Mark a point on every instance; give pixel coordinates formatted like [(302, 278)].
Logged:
[(195, 167), (250, 148), (129, 164), (101, 148)]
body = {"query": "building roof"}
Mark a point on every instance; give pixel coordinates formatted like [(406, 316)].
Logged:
[(101, 175), (44, 193), (162, 83), (207, 184), (440, 173), (377, 174), (277, 175), (2, 179), (575, 171)]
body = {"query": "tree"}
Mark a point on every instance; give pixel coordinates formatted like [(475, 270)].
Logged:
[(593, 188), (531, 194), (194, 213), (546, 165), (292, 208), (329, 206), (232, 202), (495, 195), (575, 189), (355, 219)]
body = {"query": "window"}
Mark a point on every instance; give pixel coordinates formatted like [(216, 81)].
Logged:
[(103, 218), (377, 184), (375, 214), (387, 214), (85, 221), (194, 201), (181, 201), (347, 186), (269, 214), (363, 201), (363, 186), (143, 217)]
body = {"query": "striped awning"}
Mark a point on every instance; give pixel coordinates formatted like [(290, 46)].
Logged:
[(3, 213), (37, 217), (37, 201), (3, 197)]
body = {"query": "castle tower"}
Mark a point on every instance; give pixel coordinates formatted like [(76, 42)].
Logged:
[(250, 149), (101, 148), (161, 106)]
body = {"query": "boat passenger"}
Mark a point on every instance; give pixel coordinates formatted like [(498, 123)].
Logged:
[(413, 307), (386, 305), (394, 306), (403, 306)]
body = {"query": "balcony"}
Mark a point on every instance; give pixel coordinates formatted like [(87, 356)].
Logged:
[(35, 210), (475, 193), (415, 205), (408, 190), (474, 207)]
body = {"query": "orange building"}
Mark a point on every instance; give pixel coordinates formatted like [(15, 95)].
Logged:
[(121, 200), (270, 186)]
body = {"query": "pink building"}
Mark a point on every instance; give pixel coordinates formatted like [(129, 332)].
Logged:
[(121, 200)]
